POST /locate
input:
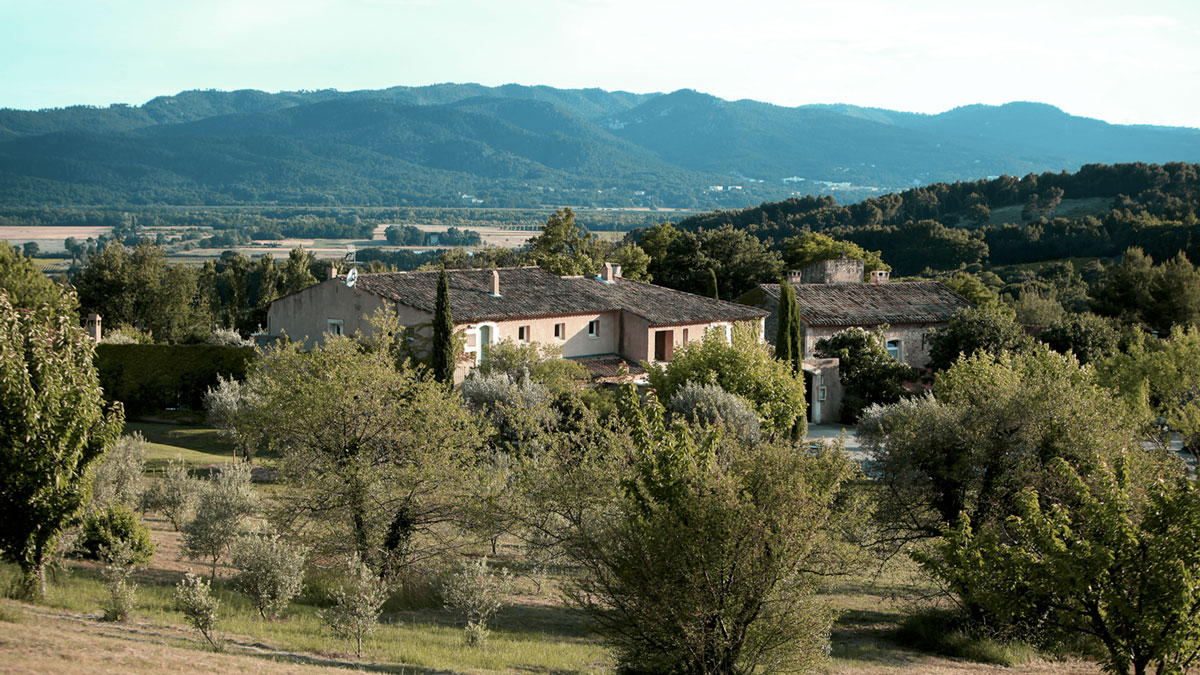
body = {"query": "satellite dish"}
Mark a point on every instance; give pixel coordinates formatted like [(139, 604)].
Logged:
[(352, 277)]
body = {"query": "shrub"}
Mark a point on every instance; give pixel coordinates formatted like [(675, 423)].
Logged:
[(174, 494), (355, 609), (122, 561), (226, 503), (271, 572), (117, 478), (710, 405), (110, 528), (709, 557), (153, 377), (745, 367), (478, 593), (193, 597), (228, 337)]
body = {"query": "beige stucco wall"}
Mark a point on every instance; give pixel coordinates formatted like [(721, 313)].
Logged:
[(641, 337), (541, 330), (305, 316), (913, 337), (823, 374)]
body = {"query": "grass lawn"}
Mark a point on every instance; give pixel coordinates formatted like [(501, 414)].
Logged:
[(200, 445)]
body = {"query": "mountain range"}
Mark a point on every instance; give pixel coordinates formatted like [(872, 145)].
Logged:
[(520, 146)]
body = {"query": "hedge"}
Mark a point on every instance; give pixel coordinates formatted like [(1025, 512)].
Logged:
[(156, 377)]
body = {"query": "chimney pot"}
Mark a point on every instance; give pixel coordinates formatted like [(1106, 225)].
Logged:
[(495, 283), (607, 274), (93, 327), (333, 272)]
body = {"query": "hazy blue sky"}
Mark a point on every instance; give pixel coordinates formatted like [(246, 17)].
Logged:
[(1118, 61)]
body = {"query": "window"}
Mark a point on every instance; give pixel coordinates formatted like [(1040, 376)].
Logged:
[(523, 334), (893, 349), (560, 331), (335, 327), (685, 336), (594, 328), (821, 394)]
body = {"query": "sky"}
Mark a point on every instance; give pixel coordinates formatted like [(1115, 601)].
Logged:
[(1120, 61)]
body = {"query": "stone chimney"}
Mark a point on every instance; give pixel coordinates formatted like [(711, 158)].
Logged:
[(93, 328), (606, 274), (880, 276), (333, 271), (836, 271), (495, 283)]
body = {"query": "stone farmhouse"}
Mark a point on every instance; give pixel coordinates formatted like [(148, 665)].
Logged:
[(833, 296), (606, 322)]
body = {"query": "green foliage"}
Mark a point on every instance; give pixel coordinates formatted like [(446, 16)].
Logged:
[(944, 632), (789, 336), (174, 493), (140, 289), (53, 428), (194, 598), (709, 558), (373, 453), (634, 262), (709, 406), (987, 330), (121, 559), (744, 367), (690, 261), (444, 358), (1160, 378), (564, 247), (1089, 337), (296, 274), (995, 425), (225, 504), (117, 477), (270, 571), (1102, 561), (541, 363), (478, 593), (973, 289), (519, 411), (112, 528), (25, 285), (869, 375), (152, 377), (813, 247), (1158, 297), (355, 606)]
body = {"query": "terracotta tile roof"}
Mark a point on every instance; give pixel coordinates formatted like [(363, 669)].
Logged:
[(874, 304), (530, 292), (609, 366), (663, 306)]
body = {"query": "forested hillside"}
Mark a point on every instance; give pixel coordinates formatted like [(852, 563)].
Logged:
[(1098, 211), (518, 146)]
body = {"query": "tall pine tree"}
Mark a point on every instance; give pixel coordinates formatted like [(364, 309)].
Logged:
[(444, 352), (712, 284)]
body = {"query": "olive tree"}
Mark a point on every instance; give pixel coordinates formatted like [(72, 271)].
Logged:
[(989, 430), (709, 557), (375, 451), (54, 426), (225, 504)]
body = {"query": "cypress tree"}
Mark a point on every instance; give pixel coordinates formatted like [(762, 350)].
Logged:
[(443, 357), (712, 284), (789, 338), (783, 332)]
